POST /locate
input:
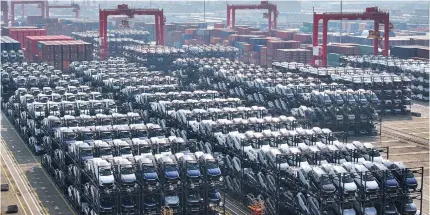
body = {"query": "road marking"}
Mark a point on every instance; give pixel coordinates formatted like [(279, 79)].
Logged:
[(14, 189), (402, 147), (410, 153), (12, 168), (424, 132), (383, 141), (43, 169)]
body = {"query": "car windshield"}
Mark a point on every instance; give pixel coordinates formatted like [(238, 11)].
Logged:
[(87, 136), (170, 167), (125, 134), (38, 108), (141, 133), (264, 142), (357, 155), (409, 174), (148, 169), (347, 179), (374, 153), (246, 142), (326, 180), (368, 177), (56, 123), (69, 136), (193, 166), (156, 133), (105, 151), (127, 170), (106, 135), (212, 165), (216, 129), (145, 149), (105, 171), (125, 150), (164, 148), (86, 152)]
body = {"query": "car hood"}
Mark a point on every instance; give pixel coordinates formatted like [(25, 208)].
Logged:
[(172, 174), (193, 173), (410, 207), (150, 176), (411, 181), (350, 186), (370, 211), (349, 211), (107, 179), (214, 171), (392, 183), (172, 200), (329, 188), (128, 178), (370, 184)]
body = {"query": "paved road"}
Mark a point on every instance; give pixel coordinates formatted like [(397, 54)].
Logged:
[(28, 200), (13, 196), (32, 172)]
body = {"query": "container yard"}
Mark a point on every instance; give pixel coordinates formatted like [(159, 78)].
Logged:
[(214, 108)]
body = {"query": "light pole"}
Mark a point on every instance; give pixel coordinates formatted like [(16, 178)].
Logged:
[(341, 26)]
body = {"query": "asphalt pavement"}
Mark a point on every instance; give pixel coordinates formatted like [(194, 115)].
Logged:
[(49, 197)]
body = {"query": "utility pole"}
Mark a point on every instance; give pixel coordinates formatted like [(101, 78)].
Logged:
[(341, 26)]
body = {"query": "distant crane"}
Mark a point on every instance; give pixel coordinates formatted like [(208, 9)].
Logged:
[(371, 13), (41, 5), (123, 9), (272, 8), (75, 7)]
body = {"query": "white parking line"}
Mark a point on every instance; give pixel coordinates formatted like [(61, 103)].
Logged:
[(410, 153), (402, 147), (384, 141)]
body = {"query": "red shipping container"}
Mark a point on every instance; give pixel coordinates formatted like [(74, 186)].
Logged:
[(218, 25), (190, 31), (303, 37), (30, 42)]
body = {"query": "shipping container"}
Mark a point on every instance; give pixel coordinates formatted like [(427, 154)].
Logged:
[(61, 53), (20, 34), (8, 44), (5, 29), (30, 43)]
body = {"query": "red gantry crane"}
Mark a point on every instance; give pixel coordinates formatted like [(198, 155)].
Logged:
[(371, 13), (75, 8), (41, 5), (265, 5), (5, 11), (123, 9)]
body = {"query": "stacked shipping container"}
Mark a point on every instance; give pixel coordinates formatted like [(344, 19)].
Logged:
[(412, 51), (61, 53), (292, 55), (8, 44), (30, 43), (20, 34)]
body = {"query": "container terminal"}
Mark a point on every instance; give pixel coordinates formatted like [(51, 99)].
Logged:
[(214, 107)]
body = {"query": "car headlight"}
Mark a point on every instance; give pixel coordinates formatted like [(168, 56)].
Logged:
[(221, 178)]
